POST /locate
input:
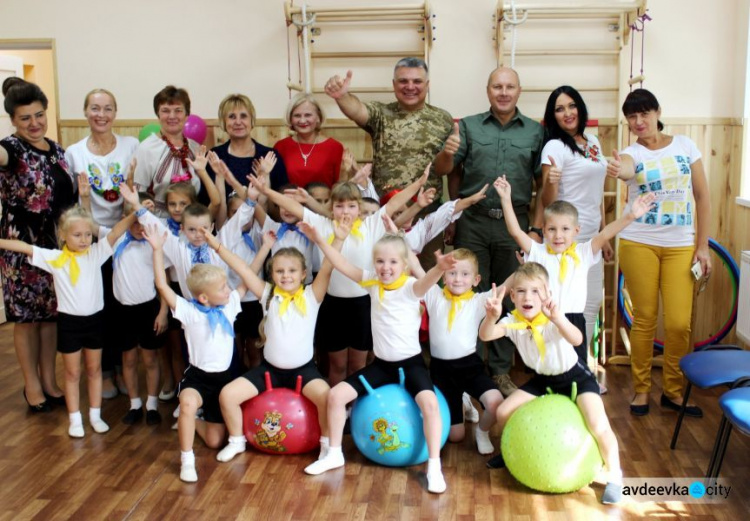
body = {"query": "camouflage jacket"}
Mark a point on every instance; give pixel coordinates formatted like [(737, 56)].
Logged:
[(404, 143)]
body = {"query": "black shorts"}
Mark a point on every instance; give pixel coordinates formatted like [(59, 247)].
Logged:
[(75, 332), (462, 375), (579, 321), (563, 383), (209, 386), (173, 323), (286, 378), (380, 372), (247, 321), (344, 322), (137, 326)]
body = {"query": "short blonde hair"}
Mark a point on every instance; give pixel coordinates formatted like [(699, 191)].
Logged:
[(202, 276), (346, 191), (466, 254), (562, 208), (183, 188), (99, 91), (231, 102), (531, 271), (397, 240), (298, 100), (73, 213)]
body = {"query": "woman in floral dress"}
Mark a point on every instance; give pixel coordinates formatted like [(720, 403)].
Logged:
[(35, 187)]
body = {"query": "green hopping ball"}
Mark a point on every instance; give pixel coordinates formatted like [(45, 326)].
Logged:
[(547, 447)]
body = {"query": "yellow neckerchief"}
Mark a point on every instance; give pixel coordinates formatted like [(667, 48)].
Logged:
[(287, 298), (355, 231), (69, 256), (381, 290), (456, 303), (534, 325), (569, 252)]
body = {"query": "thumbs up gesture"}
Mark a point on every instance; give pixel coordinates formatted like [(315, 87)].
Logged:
[(614, 167), (338, 87), (554, 171), (453, 141)]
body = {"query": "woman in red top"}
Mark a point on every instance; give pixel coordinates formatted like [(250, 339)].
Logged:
[(308, 155)]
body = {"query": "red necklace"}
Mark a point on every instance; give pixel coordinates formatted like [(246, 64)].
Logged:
[(181, 154)]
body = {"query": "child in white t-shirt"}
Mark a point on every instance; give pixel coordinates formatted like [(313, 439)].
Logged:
[(395, 329), (545, 338), (77, 275), (207, 320)]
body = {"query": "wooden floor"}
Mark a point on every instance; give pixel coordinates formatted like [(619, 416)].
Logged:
[(132, 472)]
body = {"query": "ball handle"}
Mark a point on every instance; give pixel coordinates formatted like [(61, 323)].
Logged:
[(269, 387)]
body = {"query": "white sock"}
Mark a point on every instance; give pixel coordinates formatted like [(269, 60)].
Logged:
[(435, 480), (76, 418), (484, 445), (325, 445), (434, 465), (95, 414), (615, 476), (152, 403), (136, 403), (238, 440), (333, 459), (187, 457), (236, 445)]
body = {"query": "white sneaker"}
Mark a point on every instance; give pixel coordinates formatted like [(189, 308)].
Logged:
[(329, 462), (176, 413), (99, 426), (484, 445), (471, 414), (76, 431), (230, 451), (436, 482), (188, 473)]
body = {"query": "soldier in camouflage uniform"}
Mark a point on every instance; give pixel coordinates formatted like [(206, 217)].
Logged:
[(406, 134)]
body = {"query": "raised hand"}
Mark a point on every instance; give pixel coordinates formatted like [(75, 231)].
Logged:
[(131, 172), (445, 262), (425, 175), (554, 171), (550, 309), (258, 183), (211, 239), (298, 194), (453, 142), (614, 167), (642, 204), (481, 194), (269, 238), (149, 205), (362, 176), (390, 226), (338, 87), (502, 187), (426, 197), (348, 163), (310, 232), (201, 159), (84, 187), (493, 306), (217, 165), (154, 238), (265, 165), (130, 195), (342, 228)]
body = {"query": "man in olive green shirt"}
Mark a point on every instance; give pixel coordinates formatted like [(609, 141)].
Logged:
[(498, 142), (406, 134)]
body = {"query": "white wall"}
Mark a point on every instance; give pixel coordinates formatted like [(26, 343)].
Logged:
[(695, 53)]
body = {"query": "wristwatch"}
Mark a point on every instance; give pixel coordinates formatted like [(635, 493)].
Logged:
[(537, 231)]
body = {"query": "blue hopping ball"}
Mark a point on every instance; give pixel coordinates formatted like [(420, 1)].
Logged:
[(387, 426)]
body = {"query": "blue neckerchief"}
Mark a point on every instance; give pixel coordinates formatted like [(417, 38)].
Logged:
[(174, 226), (249, 241), (123, 244), (286, 227), (215, 317), (200, 254)]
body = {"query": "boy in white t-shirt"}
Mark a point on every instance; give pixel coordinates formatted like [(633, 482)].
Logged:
[(455, 367), (566, 261), (207, 320)]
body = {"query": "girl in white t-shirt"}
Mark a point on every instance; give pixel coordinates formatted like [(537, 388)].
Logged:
[(76, 270), (396, 318), (291, 311)]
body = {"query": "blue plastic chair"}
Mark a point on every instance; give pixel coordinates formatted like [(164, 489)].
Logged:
[(711, 367), (735, 405)]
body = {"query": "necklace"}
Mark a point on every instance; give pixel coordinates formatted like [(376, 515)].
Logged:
[(250, 152), (102, 149), (182, 154), (305, 156)]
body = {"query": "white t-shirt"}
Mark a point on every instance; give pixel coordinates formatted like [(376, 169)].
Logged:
[(665, 172), (87, 296), (357, 251), (133, 271), (570, 294), (243, 251), (289, 338), (292, 239), (209, 351), (433, 224), (461, 339), (559, 357), (155, 168), (582, 181), (180, 256), (395, 321)]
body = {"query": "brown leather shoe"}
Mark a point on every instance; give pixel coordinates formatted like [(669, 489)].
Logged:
[(505, 384)]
